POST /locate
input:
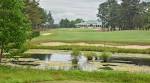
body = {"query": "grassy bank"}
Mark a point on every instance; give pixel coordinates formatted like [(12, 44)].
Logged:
[(18, 75), (95, 36), (93, 48)]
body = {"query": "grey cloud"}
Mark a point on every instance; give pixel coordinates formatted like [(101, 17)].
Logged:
[(72, 9)]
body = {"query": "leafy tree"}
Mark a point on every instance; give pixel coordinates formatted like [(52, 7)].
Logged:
[(65, 23), (14, 26), (78, 20), (127, 15), (130, 10), (109, 13), (146, 14)]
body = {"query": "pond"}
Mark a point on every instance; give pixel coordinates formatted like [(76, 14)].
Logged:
[(63, 61)]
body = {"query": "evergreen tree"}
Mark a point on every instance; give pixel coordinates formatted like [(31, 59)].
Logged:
[(35, 14), (50, 19)]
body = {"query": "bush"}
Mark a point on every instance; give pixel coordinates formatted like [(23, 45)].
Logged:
[(75, 53), (75, 57), (35, 34), (106, 56), (90, 55)]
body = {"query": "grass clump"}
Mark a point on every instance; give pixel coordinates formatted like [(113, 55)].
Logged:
[(90, 55), (75, 53), (106, 56), (75, 58)]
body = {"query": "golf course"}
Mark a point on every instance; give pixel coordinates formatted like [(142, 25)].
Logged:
[(95, 36), (74, 41)]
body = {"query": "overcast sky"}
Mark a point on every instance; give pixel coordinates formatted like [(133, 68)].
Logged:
[(72, 9)]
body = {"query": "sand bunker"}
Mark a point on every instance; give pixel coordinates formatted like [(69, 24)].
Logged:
[(86, 44), (45, 34)]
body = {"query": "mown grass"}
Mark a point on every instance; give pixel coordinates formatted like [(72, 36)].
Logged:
[(19, 75), (95, 36), (93, 48)]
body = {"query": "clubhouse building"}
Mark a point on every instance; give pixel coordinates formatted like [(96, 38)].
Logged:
[(90, 24)]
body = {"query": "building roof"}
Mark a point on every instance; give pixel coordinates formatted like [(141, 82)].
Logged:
[(90, 22)]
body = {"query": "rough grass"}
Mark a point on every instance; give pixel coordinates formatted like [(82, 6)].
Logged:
[(16, 75), (80, 35), (19, 75), (93, 48), (70, 82)]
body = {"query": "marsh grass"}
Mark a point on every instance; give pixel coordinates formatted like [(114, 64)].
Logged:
[(90, 55), (75, 58), (106, 56), (93, 48)]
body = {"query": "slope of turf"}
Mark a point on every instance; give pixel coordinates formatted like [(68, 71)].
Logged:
[(95, 36)]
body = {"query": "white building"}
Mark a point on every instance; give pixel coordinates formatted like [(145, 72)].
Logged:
[(90, 24)]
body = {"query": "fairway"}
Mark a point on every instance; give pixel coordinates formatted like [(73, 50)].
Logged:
[(81, 35)]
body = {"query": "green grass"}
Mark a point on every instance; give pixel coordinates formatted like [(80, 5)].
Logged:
[(19, 75), (87, 35)]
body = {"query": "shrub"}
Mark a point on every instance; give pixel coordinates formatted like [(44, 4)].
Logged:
[(75, 53), (90, 55), (35, 34), (106, 56), (75, 58)]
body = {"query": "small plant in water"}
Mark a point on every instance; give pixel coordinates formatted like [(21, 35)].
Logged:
[(90, 55), (106, 56), (75, 58), (75, 53)]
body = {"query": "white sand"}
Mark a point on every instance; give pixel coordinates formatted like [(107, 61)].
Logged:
[(45, 34)]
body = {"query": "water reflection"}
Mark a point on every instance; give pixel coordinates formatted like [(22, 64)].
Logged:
[(62, 61)]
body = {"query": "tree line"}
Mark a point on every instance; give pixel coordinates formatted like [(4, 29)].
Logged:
[(37, 15), (40, 18), (127, 15), (65, 23)]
